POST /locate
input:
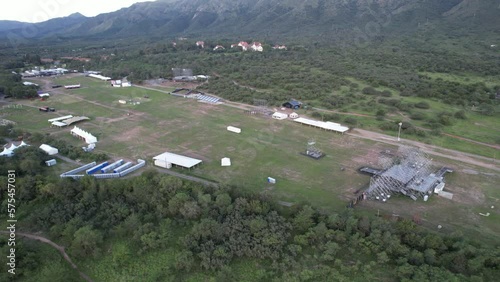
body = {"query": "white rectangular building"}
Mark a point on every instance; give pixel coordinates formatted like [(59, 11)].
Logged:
[(49, 149), (166, 160)]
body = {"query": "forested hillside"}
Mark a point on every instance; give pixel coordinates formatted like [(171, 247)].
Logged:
[(318, 20)]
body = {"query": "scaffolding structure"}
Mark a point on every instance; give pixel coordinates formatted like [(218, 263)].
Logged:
[(312, 151), (409, 173), (261, 106)]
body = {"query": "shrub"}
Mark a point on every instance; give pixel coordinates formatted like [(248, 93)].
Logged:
[(422, 105), (386, 93), (351, 121), (460, 115), (418, 116)]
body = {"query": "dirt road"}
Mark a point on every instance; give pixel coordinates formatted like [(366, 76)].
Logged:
[(489, 163), (56, 246)]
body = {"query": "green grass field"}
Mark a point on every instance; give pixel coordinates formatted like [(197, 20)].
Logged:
[(266, 147)]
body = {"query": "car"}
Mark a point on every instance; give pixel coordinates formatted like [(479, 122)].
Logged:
[(52, 109), (7, 96)]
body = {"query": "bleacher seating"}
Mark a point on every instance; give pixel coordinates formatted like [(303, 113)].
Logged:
[(208, 99)]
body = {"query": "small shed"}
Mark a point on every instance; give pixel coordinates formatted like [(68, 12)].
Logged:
[(225, 162), (293, 115), (292, 104), (51, 162), (49, 149), (280, 116), (271, 180)]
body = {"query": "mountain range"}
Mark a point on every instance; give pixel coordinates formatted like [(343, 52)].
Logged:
[(325, 19)]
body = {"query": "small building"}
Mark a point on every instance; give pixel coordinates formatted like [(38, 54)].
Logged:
[(292, 104), (219, 47), (279, 116), (293, 115), (257, 46), (279, 47), (166, 160), (51, 162), (122, 101), (43, 95), (49, 149)]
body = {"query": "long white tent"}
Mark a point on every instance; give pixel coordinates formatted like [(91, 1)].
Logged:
[(101, 77), (60, 118), (89, 138), (59, 124), (166, 160), (324, 125)]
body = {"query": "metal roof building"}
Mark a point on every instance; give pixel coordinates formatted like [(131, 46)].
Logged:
[(166, 160)]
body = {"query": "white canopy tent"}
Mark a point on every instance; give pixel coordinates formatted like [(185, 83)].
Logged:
[(89, 138), (9, 152), (324, 125), (225, 162), (59, 124)]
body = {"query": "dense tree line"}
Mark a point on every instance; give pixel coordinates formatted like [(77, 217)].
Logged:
[(223, 224)]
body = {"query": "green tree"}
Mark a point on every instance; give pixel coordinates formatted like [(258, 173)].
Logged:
[(86, 241), (304, 219)]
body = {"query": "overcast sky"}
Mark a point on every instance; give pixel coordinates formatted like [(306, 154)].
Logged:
[(41, 10)]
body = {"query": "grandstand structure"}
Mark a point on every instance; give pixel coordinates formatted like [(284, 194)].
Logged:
[(208, 99), (197, 95)]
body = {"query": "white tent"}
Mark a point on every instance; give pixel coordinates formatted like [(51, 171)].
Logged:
[(7, 152), (89, 138), (59, 124), (49, 149), (293, 115), (225, 162), (324, 125), (279, 116)]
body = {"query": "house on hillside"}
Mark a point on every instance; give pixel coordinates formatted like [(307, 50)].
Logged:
[(279, 47), (244, 45), (219, 47), (200, 44), (257, 46), (292, 104)]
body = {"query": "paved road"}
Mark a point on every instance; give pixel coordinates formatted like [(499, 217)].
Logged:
[(54, 245)]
